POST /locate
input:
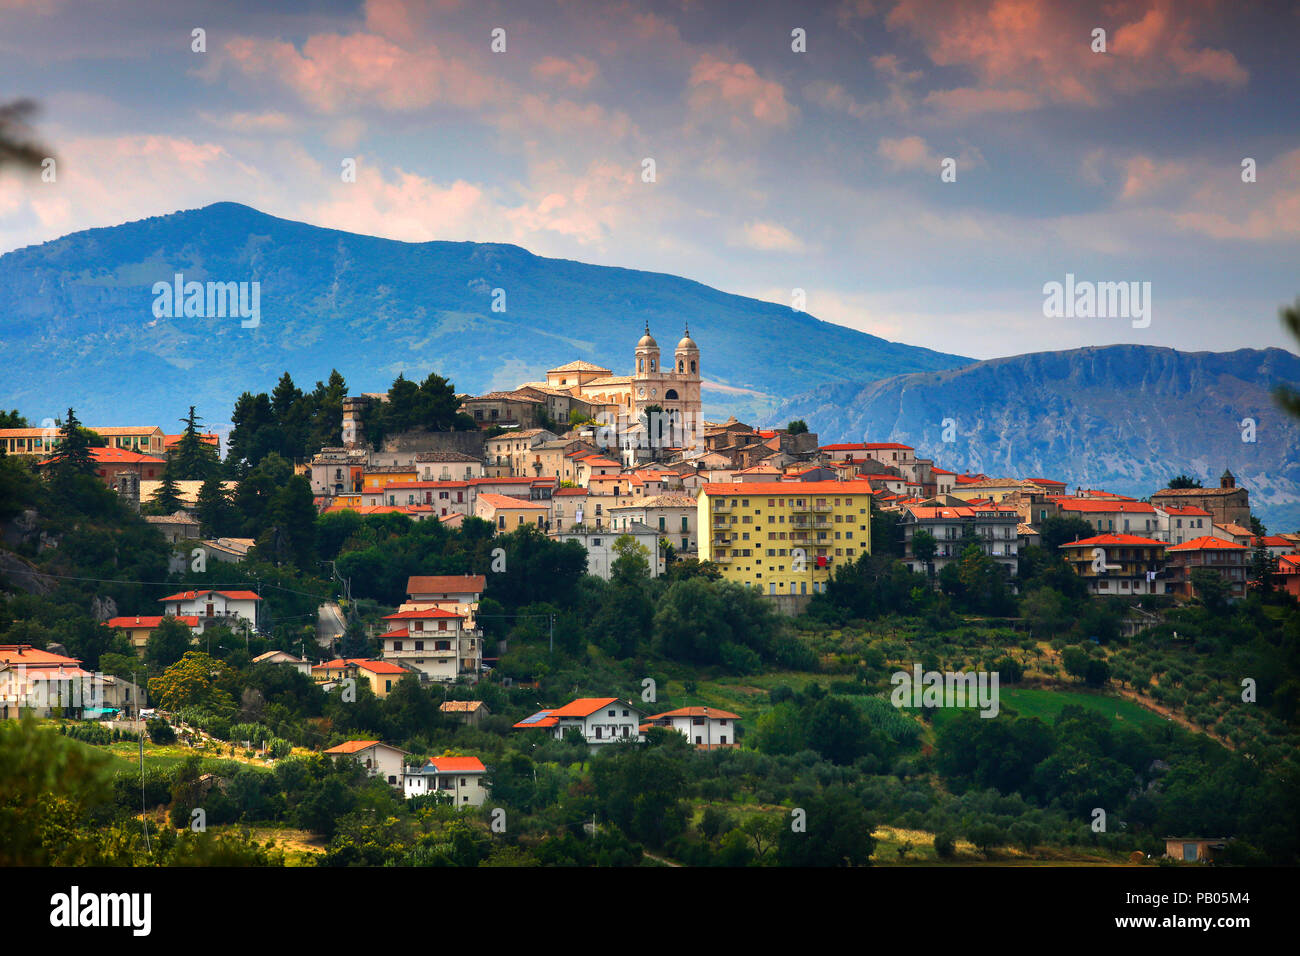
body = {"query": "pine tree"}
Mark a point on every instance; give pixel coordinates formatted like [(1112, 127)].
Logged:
[(167, 499), (214, 509), (192, 460), (73, 456)]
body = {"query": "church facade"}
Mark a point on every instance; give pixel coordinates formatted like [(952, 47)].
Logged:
[(672, 388)]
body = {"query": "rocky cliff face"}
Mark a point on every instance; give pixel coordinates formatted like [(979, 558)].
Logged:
[(1123, 417)]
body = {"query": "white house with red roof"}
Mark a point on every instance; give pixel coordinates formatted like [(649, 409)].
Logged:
[(708, 728), (214, 607), (379, 759), (460, 780), (35, 681), (435, 642), (1177, 525), (1112, 514), (451, 592), (600, 720)]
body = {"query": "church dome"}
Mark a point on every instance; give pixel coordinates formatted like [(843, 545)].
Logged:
[(687, 344), (647, 341)]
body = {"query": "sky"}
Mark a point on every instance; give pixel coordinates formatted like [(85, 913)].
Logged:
[(774, 168)]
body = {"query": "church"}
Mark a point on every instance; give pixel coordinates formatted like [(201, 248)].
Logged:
[(673, 387)]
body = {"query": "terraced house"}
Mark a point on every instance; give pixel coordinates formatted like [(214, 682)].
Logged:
[(783, 537), (1118, 564)]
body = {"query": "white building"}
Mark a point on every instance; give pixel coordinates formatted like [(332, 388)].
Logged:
[(671, 516), (461, 779), (214, 607), (1180, 525), (458, 593), (379, 759), (435, 642), (301, 665), (706, 727), (600, 546), (600, 720)]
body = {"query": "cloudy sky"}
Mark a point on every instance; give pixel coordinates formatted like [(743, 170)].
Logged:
[(774, 169)]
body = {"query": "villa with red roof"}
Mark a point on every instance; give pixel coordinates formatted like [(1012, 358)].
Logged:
[(382, 676), (34, 681), (1118, 564), (600, 720), (1228, 558), (708, 728), (214, 607), (457, 779), (138, 627), (433, 641), (379, 759)]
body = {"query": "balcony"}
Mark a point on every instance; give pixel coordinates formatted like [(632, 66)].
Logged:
[(722, 507), (721, 558), (798, 508), (824, 509)]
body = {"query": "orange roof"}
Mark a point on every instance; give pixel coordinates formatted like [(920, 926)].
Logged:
[(30, 656), (959, 511), (1207, 543), (1185, 511), (800, 489), (446, 583), (232, 595), (427, 612), (150, 622), (505, 501), (583, 706), (457, 764), (1106, 505), (379, 667), (1120, 540), (697, 712), (206, 438), (353, 746)]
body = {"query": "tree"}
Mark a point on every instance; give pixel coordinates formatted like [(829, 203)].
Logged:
[(166, 499), (1211, 590), (837, 729), (1057, 531), (192, 459), (73, 455), (12, 419), (632, 565), (167, 644), (1184, 481), (215, 510), (16, 145), (797, 427), (192, 682), (838, 832), (924, 547)]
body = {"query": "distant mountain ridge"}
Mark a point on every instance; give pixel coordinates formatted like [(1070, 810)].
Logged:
[(1123, 417), (77, 324)]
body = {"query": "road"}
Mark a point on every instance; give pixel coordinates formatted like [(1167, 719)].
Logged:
[(330, 624)]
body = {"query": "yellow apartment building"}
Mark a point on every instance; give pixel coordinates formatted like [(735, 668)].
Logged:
[(783, 537)]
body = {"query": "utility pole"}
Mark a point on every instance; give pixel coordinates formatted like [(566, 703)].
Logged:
[(144, 820)]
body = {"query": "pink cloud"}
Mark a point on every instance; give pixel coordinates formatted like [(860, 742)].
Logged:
[(1025, 54), (577, 72), (736, 91)]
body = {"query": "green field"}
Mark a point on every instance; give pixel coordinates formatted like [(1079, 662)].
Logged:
[(1047, 704)]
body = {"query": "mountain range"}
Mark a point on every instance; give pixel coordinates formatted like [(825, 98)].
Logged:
[(1126, 418), (78, 324)]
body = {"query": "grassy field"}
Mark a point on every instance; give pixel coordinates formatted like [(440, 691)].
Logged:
[(1047, 704)]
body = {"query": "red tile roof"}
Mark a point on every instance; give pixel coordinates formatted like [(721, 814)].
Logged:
[(232, 595), (583, 706), (1118, 540), (150, 622), (352, 746), (1106, 506), (697, 712), (458, 764), (1207, 543), (446, 583), (421, 614)]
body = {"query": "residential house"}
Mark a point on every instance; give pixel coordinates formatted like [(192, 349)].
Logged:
[(601, 553), (468, 712), (301, 665), (708, 728), (448, 466), (784, 537), (434, 642), (600, 720), (1229, 559), (214, 607), (460, 780), (458, 593), (995, 528), (1118, 564), (506, 514), (40, 682), (138, 627), (673, 516), (379, 759), (1177, 524)]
